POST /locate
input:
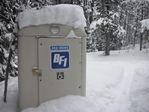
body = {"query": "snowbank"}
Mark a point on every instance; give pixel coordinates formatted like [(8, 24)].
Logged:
[(71, 15), (66, 104), (12, 96), (144, 24)]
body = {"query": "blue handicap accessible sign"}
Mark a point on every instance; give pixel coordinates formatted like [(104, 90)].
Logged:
[(59, 57)]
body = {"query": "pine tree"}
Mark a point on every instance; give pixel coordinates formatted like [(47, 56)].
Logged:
[(8, 30), (135, 11), (107, 26), (8, 12)]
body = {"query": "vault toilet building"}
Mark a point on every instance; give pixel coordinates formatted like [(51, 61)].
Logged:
[(52, 54)]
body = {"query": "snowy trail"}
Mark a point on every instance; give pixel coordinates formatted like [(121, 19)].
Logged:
[(121, 102), (122, 93)]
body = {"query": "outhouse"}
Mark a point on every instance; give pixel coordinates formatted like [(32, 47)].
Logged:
[(52, 54)]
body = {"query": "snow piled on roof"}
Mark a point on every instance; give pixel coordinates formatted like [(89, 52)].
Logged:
[(144, 24), (71, 15)]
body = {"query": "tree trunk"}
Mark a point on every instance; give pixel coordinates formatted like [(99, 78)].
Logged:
[(78, 2), (134, 38), (59, 1), (85, 2), (141, 41), (71, 2), (126, 27), (141, 36), (107, 44), (135, 32)]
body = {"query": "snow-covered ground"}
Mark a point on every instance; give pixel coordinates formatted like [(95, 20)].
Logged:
[(12, 96), (115, 83)]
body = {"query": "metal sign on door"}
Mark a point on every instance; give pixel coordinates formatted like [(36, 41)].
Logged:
[(59, 57)]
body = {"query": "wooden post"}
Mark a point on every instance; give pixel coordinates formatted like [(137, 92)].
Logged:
[(7, 74)]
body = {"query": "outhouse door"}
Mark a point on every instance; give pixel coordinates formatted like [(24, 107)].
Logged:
[(59, 60)]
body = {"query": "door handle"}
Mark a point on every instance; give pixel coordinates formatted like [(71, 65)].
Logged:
[(36, 71)]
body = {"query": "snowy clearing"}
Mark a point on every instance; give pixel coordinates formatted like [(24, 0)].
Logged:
[(115, 83)]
